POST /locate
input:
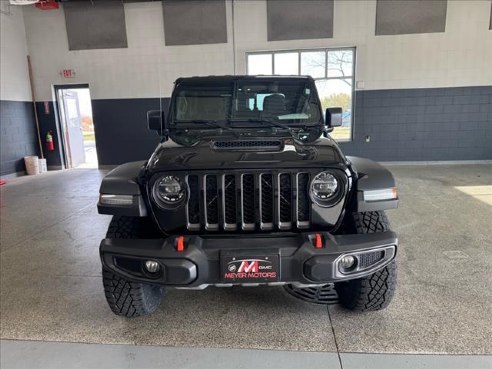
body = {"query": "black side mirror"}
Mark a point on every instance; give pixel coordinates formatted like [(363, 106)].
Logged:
[(156, 121), (333, 118)]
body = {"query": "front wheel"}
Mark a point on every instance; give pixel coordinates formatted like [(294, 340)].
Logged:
[(375, 291), (130, 299), (126, 298)]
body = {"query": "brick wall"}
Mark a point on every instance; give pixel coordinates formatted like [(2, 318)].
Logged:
[(423, 124), (17, 135)]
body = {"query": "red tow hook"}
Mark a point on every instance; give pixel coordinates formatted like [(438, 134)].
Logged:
[(318, 241), (180, 245)]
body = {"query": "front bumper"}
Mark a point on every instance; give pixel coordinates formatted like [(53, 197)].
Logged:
[(199, 264)]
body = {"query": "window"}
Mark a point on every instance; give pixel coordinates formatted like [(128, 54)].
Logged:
[(286, 63), (313, 63), (332, 69), (246, 102), (260, 64)]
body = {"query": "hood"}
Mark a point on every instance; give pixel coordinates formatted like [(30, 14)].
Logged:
[(228, 153)]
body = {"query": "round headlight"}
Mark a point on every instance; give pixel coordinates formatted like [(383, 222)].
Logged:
[(324, 188), (169, 190)]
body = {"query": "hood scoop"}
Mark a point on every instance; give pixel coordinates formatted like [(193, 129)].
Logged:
[(248, 145)]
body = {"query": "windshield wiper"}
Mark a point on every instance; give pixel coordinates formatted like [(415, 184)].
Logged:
[(212, 123), (296, 132), (271, 122)]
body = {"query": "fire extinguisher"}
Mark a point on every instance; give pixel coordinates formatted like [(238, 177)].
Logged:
[(50, 145)]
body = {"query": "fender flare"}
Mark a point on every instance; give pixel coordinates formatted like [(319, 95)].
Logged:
[(372, 176), (122, 180)]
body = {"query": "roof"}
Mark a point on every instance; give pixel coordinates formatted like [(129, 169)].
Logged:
[(239, 77)]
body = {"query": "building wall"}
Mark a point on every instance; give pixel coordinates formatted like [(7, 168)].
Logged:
[(424, 124), (17, 129), (146, 69), (124, 83), (416, 95), (458, 57), (400, 66)]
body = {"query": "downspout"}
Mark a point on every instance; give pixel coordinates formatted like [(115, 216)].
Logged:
[(36, 120)]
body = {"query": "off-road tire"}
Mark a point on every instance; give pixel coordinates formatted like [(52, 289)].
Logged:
[(375, 291), (132, 227), (130, 299), (126, 298)]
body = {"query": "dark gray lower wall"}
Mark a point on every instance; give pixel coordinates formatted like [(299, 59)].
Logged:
[(403, 125), (47, 122), (121, 129), (18, 135), (423, 124)]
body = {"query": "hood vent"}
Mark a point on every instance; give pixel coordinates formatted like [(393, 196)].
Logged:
[(248, 145)]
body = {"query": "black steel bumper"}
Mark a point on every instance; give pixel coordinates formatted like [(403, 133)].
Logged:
[(200, 263)]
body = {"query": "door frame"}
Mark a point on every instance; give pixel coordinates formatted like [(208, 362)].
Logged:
[(61, 119)]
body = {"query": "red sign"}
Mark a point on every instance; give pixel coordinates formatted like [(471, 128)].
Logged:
[(68, 73), (47, 4)]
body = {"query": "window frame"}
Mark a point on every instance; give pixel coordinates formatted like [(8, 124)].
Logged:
[(272, 53)]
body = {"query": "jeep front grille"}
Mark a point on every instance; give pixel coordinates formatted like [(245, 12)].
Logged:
[(248, 201)]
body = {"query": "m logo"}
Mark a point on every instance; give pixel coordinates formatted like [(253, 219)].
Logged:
[(246, 267)]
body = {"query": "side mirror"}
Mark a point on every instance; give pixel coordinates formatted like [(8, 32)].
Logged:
[(156, 121), (333, 118)]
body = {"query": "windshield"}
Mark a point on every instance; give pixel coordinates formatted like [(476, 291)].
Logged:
[(246, 101)]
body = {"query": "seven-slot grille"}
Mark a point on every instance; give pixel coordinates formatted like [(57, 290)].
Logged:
[(248, 201)]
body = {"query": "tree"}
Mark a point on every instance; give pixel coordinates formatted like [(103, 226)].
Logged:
[(340, 100), (340, 62)]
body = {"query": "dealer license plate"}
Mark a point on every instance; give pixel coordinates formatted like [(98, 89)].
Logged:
[(250, 269)]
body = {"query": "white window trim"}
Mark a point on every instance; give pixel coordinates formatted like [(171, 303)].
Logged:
[(326, 50)]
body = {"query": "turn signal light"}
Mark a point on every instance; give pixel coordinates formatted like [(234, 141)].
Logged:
[(381, 195), (116, 200)]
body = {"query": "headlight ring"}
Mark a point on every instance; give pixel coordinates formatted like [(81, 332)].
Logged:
[(326, 189), (169, 191)]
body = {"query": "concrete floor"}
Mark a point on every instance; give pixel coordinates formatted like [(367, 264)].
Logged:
[(51, 286), (62, 355)]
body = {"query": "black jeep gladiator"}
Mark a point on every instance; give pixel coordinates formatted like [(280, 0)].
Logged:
[(247, 188)]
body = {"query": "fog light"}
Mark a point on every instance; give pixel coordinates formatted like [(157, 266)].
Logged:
[(152, 266), (347, 262)]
